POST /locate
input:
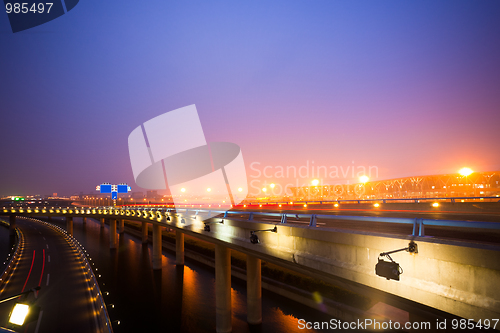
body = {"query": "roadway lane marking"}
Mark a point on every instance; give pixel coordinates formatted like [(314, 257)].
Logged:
[(43, 268), (48, 278), (38, 321), (48, 258)]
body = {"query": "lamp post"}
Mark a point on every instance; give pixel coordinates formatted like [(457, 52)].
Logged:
[(465, 172), (22, 309)]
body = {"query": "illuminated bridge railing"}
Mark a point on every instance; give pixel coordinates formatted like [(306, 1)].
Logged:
[(160, 214), (383, 200)]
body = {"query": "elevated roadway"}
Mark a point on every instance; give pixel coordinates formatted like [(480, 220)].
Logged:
[(456, 276)]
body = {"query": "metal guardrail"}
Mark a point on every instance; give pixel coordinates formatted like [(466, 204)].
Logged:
[(160, 212), (383, 200), (418, 223)]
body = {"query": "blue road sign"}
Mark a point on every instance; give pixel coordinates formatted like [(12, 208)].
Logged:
[(114, 195), (122, 188), (105, 188)]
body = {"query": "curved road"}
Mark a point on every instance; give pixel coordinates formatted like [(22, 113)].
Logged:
[(48, 259)]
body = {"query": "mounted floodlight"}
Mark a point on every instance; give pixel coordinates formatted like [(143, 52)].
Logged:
[(253, 237), (207, 224), (391, 269), (19, 314), (22, 309)]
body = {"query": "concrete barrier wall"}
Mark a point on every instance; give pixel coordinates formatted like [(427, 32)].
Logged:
[(456, 277)]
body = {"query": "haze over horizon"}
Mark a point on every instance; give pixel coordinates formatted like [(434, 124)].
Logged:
[(411, 88)]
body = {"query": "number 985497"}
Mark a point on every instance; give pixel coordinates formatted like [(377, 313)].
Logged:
[(24, 8)]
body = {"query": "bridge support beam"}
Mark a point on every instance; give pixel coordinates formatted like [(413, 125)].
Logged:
[(179, 247), (12, 225), (254, 290), (157, 246), (112, 234), (121, 228), (69, 225), (144, 232), (222, 289)]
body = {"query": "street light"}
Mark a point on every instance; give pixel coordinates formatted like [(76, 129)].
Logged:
[(364, 179), (19, 314), (465, 171), (22, 310), (315, 182)]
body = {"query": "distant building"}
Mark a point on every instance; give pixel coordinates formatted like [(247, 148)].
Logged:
[(151, 194), (435, 186), (137, 195)]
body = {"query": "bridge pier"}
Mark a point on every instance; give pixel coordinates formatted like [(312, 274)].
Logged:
[(157, 246), (222, 289), (84, 221), (112, 234), (102, 222), (254, 290), (179, 247), (69, 225), (121, 228), (144, 232)]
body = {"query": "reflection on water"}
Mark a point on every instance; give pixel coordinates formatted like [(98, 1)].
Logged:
[(175, 299)]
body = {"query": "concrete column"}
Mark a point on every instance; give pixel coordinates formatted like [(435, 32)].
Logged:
[(156, 246), (69, 225), (112, 234), (179, 247), (102, 222), (121, 230), (254, 290), (84, 221), (222, 289), (12, 224), (144, 232)]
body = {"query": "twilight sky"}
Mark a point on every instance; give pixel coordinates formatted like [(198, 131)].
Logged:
[(406, 87)]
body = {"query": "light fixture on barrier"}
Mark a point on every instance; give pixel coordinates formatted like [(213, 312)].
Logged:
[(253, 237), (207, 224), (391, 269)]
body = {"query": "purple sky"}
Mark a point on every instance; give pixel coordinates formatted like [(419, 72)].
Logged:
[(410, 87)]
